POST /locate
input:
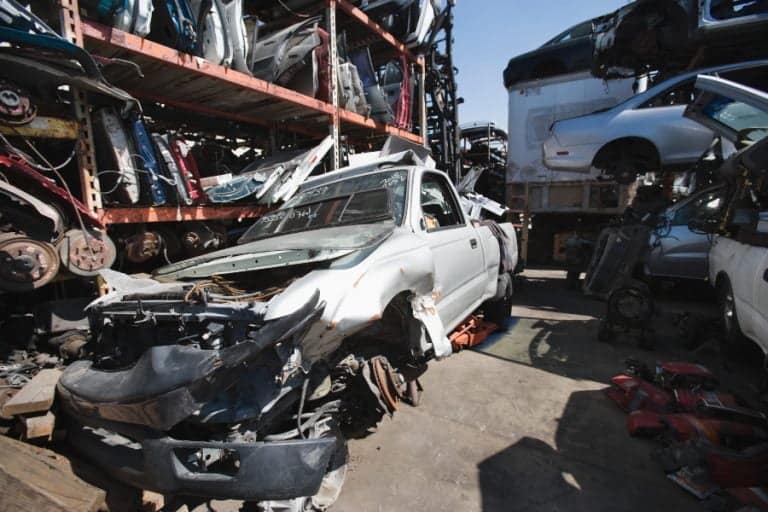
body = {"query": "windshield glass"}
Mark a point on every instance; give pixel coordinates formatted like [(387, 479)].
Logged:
[(373, 197), (749, 122)]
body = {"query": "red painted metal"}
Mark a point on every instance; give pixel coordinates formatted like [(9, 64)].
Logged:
[(746, 468), (473, 331), (633, 393), (675, 375), (179, 214), (357, 119), (20, 169), (689, 427), (188, 167)]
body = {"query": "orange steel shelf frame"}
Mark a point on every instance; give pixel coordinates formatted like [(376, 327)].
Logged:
[(191, 66), (198, 65), (363, 19), (151, 214)]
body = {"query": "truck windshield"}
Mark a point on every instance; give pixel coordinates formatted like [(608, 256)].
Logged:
[(364, 199)]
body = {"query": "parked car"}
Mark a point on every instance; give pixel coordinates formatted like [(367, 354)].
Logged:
[(676, 251), (667, 35), (738, 260), (224, 367), (568, 52), (645, 133)]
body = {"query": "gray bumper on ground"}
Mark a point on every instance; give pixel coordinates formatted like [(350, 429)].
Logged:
[(265, 471)]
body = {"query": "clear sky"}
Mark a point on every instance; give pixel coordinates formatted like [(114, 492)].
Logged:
[(490, 32)]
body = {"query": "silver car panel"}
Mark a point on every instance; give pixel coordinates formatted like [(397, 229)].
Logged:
[(678, 140), (676, 251)]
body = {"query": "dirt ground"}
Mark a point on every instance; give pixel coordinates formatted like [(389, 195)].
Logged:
[(521, 422)]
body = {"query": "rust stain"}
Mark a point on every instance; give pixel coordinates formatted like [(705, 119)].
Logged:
[(357, 281)]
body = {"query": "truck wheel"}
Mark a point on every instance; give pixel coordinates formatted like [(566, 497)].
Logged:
[(733, 334), (498, 311)]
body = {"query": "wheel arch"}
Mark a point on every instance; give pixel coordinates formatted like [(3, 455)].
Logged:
[(721, 280), (634, 145)]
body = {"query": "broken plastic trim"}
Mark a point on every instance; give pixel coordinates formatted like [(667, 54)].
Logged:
[(171, 382)]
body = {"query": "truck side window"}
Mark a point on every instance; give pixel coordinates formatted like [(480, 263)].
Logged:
[(438, 206)]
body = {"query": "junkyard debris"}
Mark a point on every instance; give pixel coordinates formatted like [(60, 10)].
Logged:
[(36, 396)]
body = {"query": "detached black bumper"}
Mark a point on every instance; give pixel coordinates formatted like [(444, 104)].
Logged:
[(266, 471)]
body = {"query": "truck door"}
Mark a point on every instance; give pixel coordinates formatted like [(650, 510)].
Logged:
[(761, 302), (456, 249)]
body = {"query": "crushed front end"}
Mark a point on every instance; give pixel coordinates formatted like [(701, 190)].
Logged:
[(194, 389), (186, 387)]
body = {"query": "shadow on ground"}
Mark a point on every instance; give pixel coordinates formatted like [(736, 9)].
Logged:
[(582, 472), (685, 327), (593, 464)]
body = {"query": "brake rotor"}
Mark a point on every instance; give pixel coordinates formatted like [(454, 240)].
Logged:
[(143, 246), (386, 382), (15, 105), (26, 264), (85, 254)]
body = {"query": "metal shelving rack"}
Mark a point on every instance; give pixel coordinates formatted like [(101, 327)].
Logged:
[(191, 83)]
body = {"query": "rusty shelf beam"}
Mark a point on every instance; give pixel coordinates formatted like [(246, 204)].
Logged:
[(363, 19), (195, 67), (198, 65), (367, 122), (232, 116), (151, 214)]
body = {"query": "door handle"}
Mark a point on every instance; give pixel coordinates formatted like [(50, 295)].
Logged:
[(765, 275), (473, 243)]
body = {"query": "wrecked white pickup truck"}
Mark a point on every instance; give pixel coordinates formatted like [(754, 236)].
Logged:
[(234, 374)]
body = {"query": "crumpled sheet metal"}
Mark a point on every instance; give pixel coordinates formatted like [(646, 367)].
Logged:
[(169, 383), (34, 72), (123, 285), (425, 310)]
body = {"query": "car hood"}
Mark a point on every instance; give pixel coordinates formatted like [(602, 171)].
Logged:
[(280, 251)]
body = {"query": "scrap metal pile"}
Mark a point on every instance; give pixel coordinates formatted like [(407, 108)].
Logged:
[(712, 444)]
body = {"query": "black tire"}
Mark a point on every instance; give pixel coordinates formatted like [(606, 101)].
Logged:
[(498, 311), (730, 320)]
